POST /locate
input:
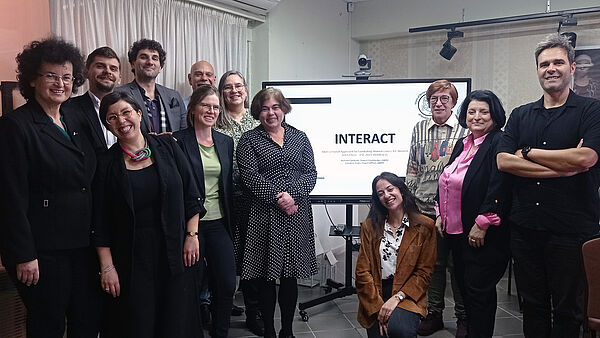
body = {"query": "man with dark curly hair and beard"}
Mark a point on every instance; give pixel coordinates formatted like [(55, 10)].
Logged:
[(163, 108)]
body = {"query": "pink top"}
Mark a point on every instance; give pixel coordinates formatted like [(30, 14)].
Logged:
[(450, 187)]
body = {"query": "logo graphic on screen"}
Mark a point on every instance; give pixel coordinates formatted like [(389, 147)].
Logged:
[(423, 105)]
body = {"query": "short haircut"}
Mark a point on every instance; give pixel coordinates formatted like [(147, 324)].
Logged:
[(438, 85), (378, 212), (224, 121), (496, 110), (147, 44), (265, 94), (198, 95), (112, 98), (555, 40), (106, 52), (54, 51)]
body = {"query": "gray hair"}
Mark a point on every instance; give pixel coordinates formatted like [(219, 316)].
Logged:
[(555, 40), (224, 120)]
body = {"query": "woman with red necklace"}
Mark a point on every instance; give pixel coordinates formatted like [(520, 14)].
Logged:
[(145, 225)]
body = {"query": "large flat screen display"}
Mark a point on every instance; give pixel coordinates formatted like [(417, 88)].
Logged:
[(358, 129)]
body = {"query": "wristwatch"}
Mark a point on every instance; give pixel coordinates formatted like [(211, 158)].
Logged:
[(400, 296), (191, 233), (525, 151)]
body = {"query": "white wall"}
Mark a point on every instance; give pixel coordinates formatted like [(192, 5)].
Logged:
[(303, 40), (306, 40), (376, 19)]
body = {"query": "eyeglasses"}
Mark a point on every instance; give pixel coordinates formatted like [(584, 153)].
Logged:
[(54, 78), (443, 99), (237, 86), (209, 107), (112, 118)]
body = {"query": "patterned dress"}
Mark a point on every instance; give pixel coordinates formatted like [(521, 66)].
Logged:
[(278, 245)]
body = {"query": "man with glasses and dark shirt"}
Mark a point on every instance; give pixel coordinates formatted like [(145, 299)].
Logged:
[(550, 145), (162, 108)]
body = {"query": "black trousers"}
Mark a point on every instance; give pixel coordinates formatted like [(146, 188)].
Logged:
[(220, 261), (550, 278), (288, 297), (69, 288), (478, 270)]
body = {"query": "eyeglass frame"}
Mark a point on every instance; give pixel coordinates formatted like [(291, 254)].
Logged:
[(209, 107), (54, 78), (124, 114), (440, 98), (237, 86)]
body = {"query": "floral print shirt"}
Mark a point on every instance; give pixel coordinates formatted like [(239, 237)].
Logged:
[(246, 123), (388, 249)]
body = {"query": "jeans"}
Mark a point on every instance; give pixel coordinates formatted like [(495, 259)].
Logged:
[(402, 323)]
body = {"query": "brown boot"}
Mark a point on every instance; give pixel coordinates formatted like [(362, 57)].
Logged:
[(431, 324)]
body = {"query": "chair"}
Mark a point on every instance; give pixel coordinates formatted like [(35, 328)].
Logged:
[(12, 310), (591, 261)]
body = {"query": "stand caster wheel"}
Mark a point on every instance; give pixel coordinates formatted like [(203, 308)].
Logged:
[(304, 316)]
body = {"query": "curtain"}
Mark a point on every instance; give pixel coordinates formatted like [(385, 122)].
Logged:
[(188, 32)]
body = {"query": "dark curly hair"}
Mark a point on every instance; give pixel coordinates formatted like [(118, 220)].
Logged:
[(378, 212), (146, 44), (52, 50)]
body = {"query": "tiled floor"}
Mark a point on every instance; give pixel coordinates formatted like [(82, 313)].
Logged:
[(338, 318)]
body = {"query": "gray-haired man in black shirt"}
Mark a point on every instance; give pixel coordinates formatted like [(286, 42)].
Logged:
[(551, 146)]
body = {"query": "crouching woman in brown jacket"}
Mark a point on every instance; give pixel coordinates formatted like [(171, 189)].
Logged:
[(395, 261)]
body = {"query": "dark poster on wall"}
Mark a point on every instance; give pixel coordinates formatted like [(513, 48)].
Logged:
[(586, 81)]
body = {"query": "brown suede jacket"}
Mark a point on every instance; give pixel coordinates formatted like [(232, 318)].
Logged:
[(416, 258)]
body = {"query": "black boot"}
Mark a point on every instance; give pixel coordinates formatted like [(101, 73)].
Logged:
[(255, 324)]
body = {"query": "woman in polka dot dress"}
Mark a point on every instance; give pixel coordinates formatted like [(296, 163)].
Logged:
[(276, 164)]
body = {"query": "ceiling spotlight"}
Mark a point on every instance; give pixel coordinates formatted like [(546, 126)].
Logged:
[(567, 20), (448, 50)]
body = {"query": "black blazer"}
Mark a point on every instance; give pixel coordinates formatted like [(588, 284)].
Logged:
[(114, 217), (45, 183), (83, 104), (172, 103), (224, 145), (485, 189)]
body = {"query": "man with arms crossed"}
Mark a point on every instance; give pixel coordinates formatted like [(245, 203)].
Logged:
[(430, 149), (549, 146), (162, 108), (103, 71)]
